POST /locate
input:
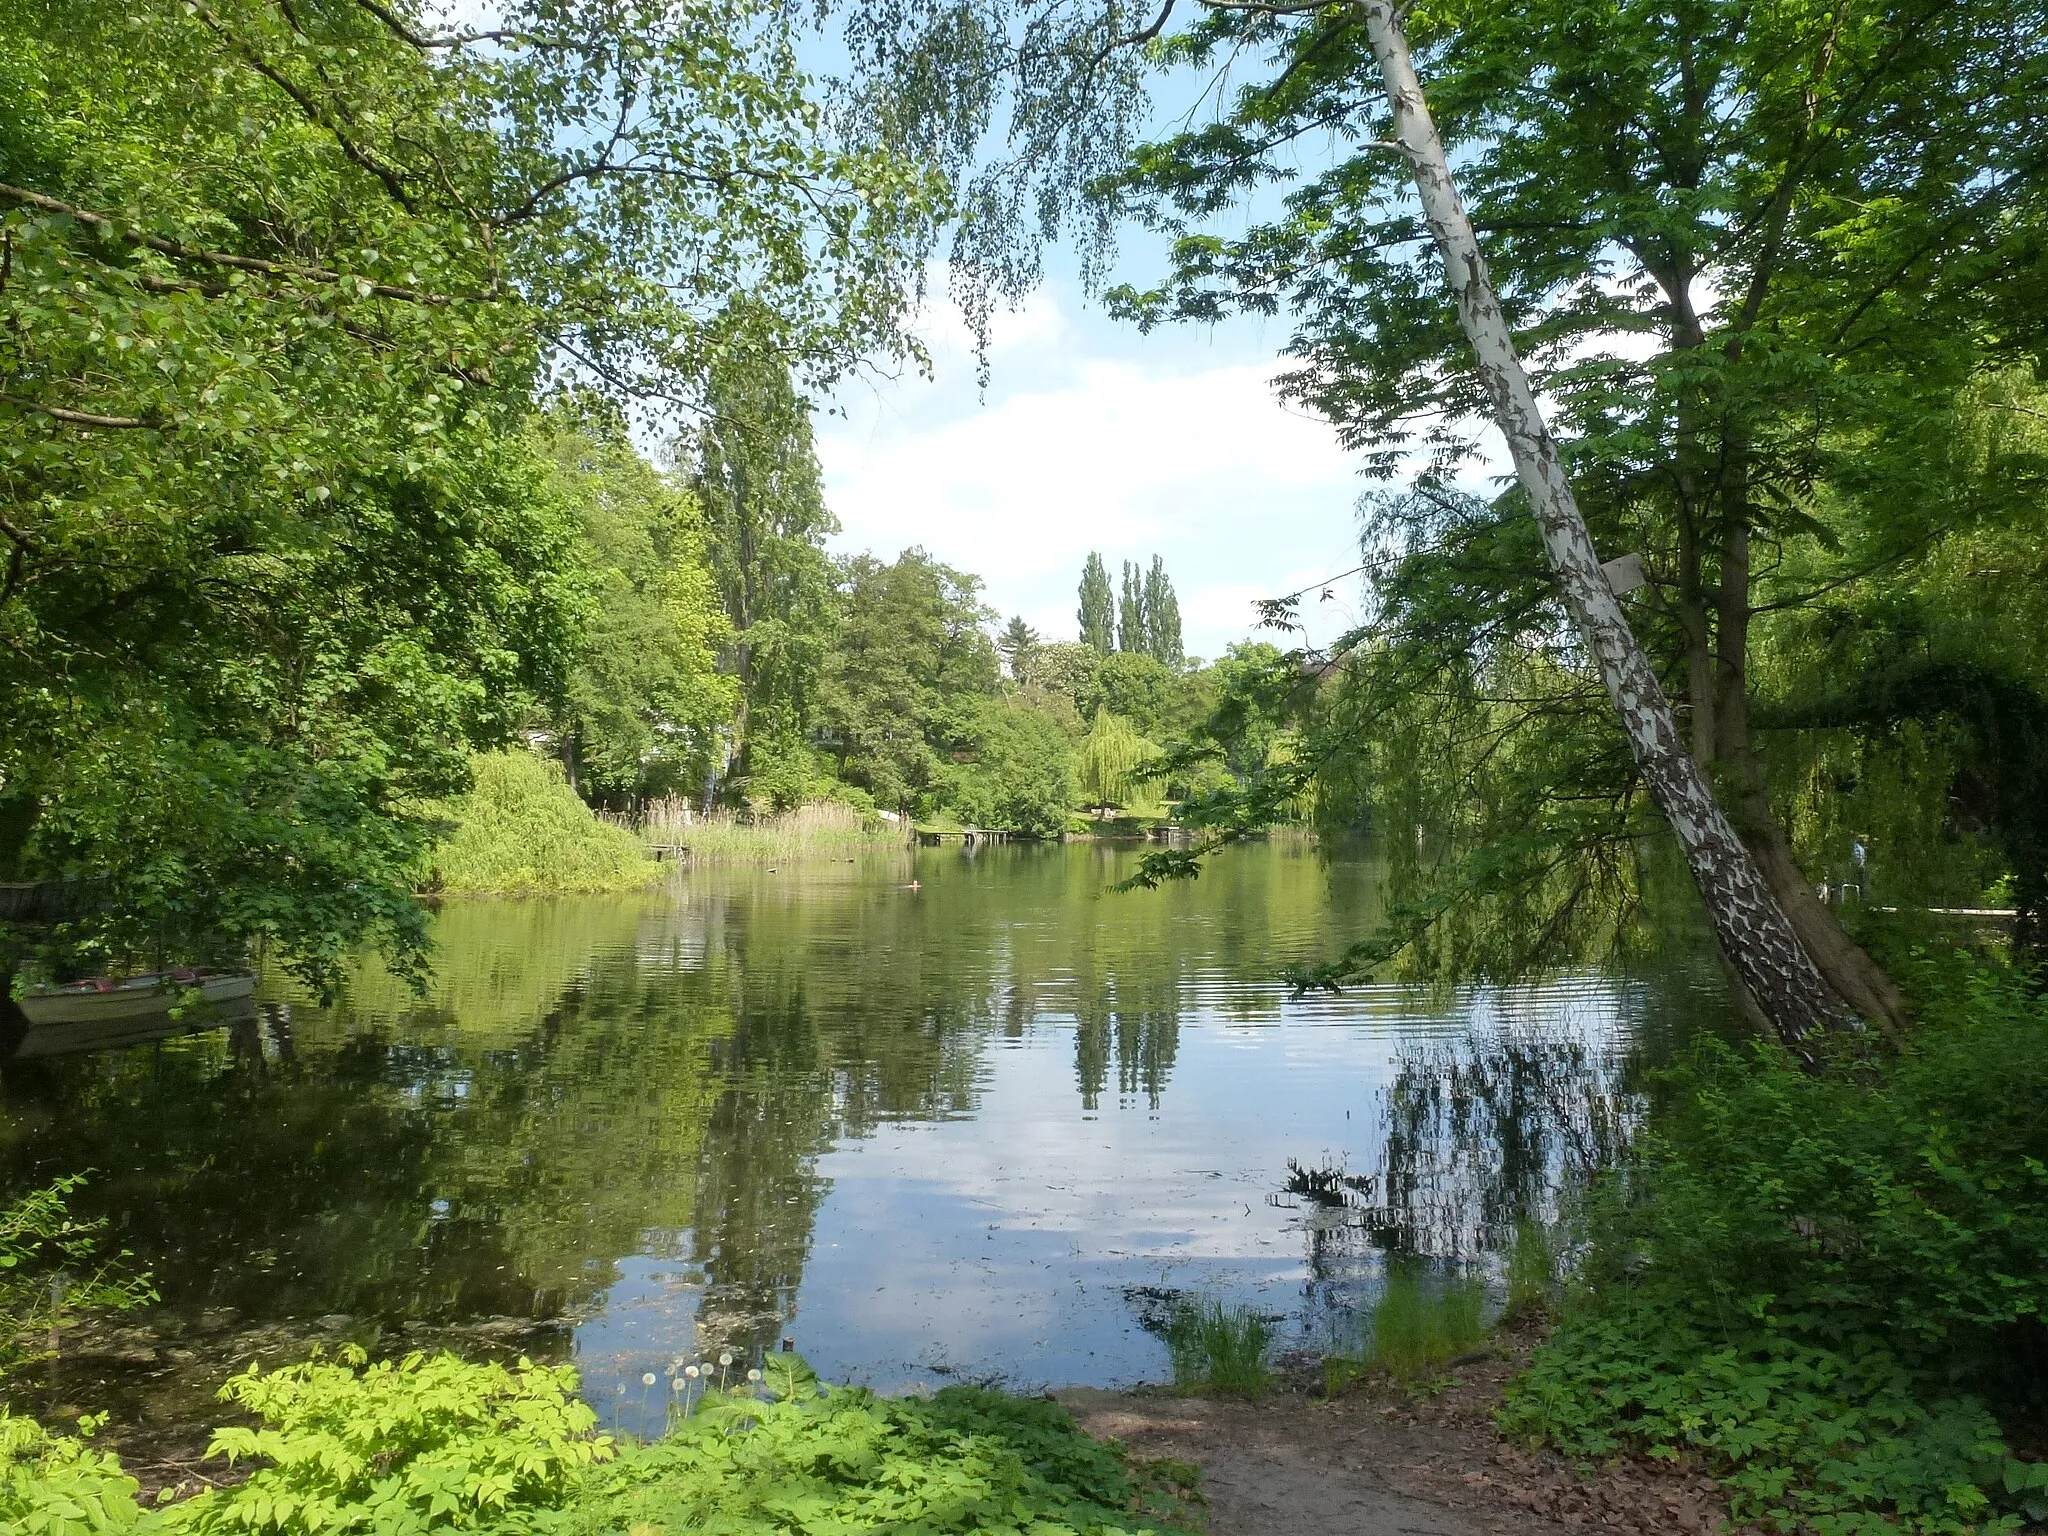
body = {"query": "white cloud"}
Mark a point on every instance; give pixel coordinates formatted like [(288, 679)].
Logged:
[(1093, 439)]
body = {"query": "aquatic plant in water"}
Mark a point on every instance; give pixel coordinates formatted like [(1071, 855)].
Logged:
[(1414, 1330), (1532, 1274), (1418, 1329), (1216, 1347)]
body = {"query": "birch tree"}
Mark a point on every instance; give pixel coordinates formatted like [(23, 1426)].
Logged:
[(1749, 255), (1777, 974)]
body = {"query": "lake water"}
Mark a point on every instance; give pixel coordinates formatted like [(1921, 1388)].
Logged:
[(982, 1127)]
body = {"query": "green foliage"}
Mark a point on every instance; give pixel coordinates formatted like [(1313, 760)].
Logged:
[(1022, 774), (1216, 1347), (752, 467), (1818, 1283), (643, 700), (1803, 386), (906, 677), (1532, 1274), (402, 1446), (1019, 644), (51, 1275), (58, 1485), (522, 829), (1159, 702), (1419, 1327), (435, 1444), (1804, 1436), (1112, 762), (966, 1461), (281, 286), (1131, 631), (1162, 618), (818, 829)]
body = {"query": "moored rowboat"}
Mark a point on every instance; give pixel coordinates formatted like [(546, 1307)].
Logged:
[(81, 1002)]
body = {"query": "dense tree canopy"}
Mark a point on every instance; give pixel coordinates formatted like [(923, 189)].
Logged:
[(283, 284), (644, 700)]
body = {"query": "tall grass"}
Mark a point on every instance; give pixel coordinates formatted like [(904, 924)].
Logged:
[(521, 829), (1215, 1347), (1418, 1329), (1532, 1274), (822, 828), (1415, 1329)]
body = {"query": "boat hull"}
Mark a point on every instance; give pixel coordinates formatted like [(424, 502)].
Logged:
[(135, 999)]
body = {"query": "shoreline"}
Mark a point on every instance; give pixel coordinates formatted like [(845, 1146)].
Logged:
[(1377, 1459)]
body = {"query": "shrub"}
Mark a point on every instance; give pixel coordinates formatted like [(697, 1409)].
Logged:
[(1219, 1348), (58, 1485), (50, 1273), (522, 829), (404, 1445), (426, 1445), (1820, 1284)]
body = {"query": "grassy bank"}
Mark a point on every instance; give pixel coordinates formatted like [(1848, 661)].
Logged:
[(821, 829), (427, 1444), (1829, 1290), (522, 830)]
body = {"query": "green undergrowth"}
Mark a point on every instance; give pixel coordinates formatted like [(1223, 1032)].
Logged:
[(431, 1444), (1216, 1347), (1828, 1289), (521, 830)]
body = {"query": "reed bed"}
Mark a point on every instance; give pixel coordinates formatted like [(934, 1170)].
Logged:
[(821, 829)]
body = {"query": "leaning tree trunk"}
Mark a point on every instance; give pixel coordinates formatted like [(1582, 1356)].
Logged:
[(1780, 978)]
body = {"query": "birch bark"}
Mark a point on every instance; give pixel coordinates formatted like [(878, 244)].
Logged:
[(1783, 984)]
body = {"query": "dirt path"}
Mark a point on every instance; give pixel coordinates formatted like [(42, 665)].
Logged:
[(1378, 1461)]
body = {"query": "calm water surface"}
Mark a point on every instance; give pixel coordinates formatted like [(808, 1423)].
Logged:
[(987, 1127)]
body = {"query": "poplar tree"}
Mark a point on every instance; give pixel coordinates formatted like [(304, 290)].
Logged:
[(1131, 631), (1098, 606), (1162, 617)]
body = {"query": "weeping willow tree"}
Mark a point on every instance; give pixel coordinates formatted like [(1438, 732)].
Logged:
[(1112, 763)]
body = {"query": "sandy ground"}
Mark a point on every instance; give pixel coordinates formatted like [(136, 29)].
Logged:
[(1380, 1461)]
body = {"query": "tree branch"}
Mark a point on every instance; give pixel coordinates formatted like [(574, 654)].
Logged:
[(393, 182), (78, 418), (182, 252)]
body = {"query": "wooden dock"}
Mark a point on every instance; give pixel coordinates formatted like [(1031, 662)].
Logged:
[(970, 837)]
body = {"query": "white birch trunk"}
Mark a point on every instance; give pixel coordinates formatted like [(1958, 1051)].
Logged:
[(1782, 980)]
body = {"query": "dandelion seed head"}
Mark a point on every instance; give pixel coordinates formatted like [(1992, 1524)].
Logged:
[(753, 1375), (647, 1380), (725, 1358), (692, 1373)]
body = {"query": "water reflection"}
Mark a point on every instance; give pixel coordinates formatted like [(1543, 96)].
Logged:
[(943, 1130)]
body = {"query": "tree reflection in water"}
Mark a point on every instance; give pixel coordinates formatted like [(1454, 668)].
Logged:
[(1481, 1132)]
